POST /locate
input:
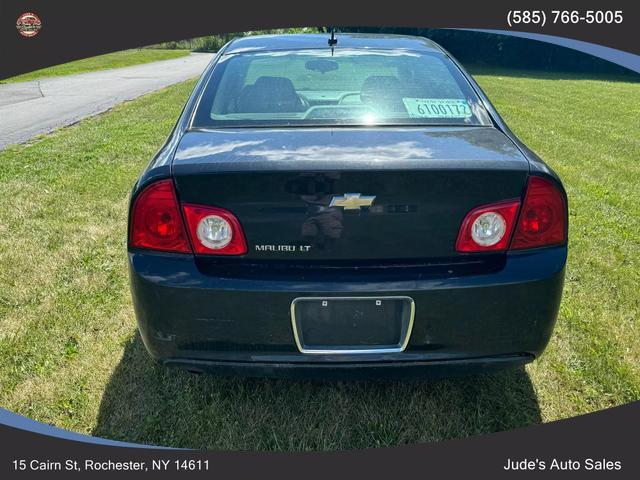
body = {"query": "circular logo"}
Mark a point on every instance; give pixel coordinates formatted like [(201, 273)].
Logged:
[(28, 24)]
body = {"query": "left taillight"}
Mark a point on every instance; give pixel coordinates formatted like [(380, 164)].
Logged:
[(156, 222), (214, 231)]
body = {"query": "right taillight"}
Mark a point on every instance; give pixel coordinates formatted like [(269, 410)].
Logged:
[(488, 228), (543, 216)]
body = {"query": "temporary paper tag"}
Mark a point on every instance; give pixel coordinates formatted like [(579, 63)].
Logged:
[(437, 107)]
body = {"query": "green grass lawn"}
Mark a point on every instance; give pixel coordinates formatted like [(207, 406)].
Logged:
[(124, 58), (70, 355)]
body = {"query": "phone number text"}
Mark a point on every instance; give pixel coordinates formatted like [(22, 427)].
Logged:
[(540, 17)]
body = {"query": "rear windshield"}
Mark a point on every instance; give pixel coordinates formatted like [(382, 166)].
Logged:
[(345, 87)]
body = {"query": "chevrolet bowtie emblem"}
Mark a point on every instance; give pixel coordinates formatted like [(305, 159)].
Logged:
[(352, 201)]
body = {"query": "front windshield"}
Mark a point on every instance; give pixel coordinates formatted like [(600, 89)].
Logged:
[(345, 87)]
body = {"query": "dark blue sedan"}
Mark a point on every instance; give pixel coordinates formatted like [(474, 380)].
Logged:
[(353, 208)]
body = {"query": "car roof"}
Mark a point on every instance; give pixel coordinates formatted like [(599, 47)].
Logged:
[(308, 41)]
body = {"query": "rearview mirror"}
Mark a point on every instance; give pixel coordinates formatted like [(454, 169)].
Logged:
[(322, 66)]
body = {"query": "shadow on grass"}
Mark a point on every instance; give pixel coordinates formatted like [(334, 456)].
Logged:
[(147, 403), (631, 77)]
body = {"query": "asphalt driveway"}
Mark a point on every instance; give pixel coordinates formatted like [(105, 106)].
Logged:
[(31, 108)]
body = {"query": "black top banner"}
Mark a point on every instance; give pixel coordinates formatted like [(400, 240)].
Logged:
[(73, 29)]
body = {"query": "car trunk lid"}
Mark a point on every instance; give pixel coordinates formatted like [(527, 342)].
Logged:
[(301, 194)]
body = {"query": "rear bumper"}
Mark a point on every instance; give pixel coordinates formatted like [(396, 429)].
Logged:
[(406, 370), (475, 322)]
